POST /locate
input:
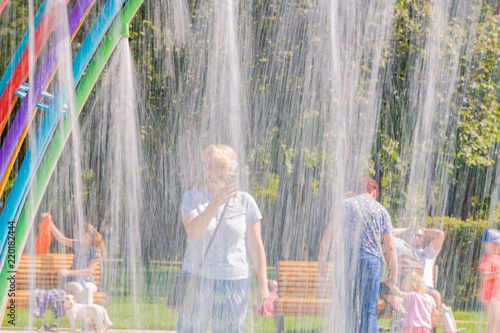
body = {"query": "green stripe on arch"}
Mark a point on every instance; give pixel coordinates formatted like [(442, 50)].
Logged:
[(60, 138)]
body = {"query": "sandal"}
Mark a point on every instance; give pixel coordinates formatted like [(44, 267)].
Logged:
[(54, 327), (44, 327)]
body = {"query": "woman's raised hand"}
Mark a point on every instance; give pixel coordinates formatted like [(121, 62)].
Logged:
[(228, 192)]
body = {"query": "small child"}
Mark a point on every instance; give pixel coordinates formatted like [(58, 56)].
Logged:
[(422, 313), (268, 309), (489, 267)]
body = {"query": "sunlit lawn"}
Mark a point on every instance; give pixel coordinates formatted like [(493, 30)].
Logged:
[(473, 321), (150, 312), (125, 314)]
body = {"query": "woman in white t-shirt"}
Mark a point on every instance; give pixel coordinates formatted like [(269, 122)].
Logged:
[(222, 292), (421, 314)]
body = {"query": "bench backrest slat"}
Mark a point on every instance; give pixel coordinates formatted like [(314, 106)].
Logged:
[(302, 279), (41, 271)]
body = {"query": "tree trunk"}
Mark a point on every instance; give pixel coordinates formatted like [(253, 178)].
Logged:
[(430, 205), (467, 202), (378, 175)]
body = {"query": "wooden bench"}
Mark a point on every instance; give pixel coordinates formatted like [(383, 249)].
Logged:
[(302, 291), (41, 271)]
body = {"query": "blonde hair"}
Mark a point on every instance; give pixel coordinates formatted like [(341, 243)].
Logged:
[(416, 282), (96, 237), (221, 154)]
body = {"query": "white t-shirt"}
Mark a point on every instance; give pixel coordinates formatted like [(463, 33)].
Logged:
[(427, 257), (227, 256)]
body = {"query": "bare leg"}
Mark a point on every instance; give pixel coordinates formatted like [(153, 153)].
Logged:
[(493, 316), (73, 288), (87, 294), (84, 294)]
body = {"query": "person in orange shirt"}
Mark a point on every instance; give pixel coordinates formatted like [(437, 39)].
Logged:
[(44, 237), (489, 267)]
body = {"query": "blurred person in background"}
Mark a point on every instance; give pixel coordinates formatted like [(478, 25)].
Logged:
[(359, 226), (416, 237), (88, 249)]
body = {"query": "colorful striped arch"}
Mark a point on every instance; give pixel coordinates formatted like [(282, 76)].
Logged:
[(39, 163)]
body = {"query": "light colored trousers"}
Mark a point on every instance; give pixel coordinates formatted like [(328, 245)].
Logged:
[(84, 293)]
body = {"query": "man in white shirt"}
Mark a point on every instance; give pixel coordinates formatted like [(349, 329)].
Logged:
[(427, 255)]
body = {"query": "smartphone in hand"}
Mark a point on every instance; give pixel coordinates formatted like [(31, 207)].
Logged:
[(231, 178)]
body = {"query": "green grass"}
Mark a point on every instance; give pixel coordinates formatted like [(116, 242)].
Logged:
[(472, 320), (150, 312), (127, 314)]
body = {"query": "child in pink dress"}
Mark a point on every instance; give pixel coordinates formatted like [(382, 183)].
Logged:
[(268, 309), (422, 314)]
